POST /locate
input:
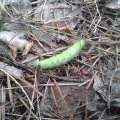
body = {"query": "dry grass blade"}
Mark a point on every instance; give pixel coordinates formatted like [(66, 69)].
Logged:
[(38, 101), (29, 110), (94, 114), (84, 83), (83, 105), (10, 90), (103, 50), (86, 111), (109, 89), (4, 10), (22, 117), (54, 98), (2, 100), (102, 114), (30, 85), (24, 81), (91, 81), (52, 84), (62, 97), (33, 95), (38, 42), (20, 87), (78, 104)]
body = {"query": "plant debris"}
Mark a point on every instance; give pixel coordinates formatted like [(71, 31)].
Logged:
[(86, 87)]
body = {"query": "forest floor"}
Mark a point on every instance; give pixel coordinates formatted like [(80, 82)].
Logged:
[(87, 87)]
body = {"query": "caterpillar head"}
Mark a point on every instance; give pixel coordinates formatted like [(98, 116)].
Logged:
[(36, 63)]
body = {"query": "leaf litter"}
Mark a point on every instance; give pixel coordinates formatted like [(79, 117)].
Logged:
[(87, 87)]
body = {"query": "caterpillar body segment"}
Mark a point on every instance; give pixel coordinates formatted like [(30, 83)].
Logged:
[(62, 58)]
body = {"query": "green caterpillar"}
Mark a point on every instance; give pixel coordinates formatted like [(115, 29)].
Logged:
[(62, 58)]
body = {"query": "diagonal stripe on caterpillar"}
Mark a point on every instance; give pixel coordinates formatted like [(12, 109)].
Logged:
[(62, 58)]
